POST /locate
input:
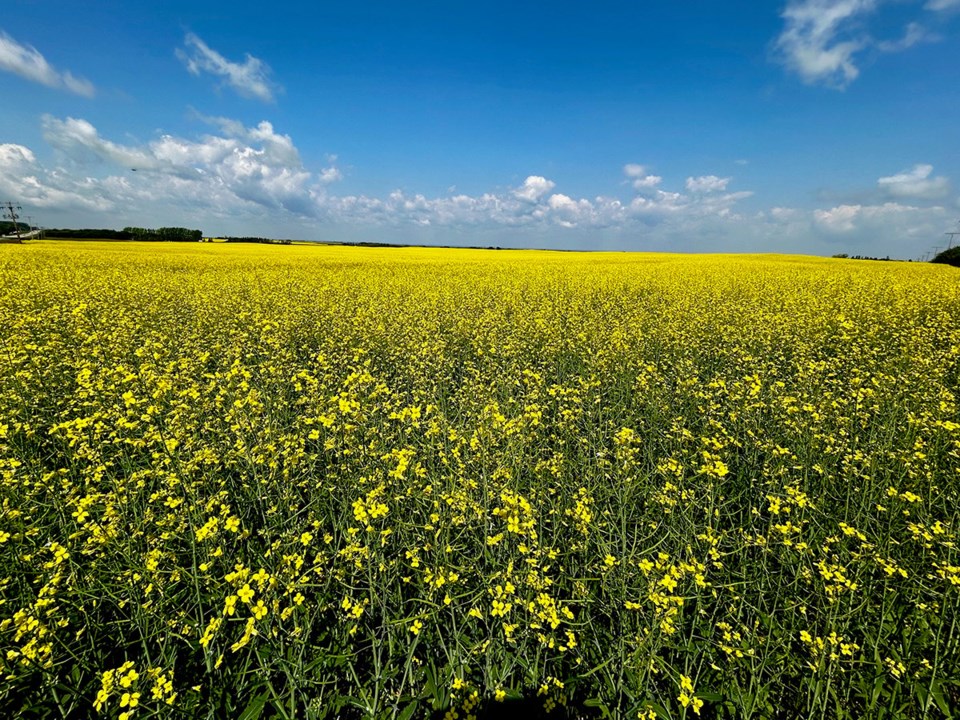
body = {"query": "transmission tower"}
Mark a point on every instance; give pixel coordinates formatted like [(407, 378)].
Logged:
[(952, 235), (12, 211)]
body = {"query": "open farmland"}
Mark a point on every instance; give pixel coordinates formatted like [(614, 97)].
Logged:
[(320, 482)]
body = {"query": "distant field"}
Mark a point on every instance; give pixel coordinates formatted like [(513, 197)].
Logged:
[(256, 481)]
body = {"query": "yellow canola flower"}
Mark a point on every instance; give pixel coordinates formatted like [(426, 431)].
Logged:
[(246, 594), (513, 444)]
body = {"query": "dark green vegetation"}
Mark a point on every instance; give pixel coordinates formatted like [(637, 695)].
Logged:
[(949, 257)]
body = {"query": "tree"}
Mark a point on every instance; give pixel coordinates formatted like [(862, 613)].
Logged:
[(950, 256)]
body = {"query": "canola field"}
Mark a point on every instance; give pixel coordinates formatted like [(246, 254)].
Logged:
[(258, 482)]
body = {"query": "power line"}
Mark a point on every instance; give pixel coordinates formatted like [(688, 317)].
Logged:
[(952, 235), (10, 211)]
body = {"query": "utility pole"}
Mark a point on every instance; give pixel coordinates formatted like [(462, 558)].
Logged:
[(952, 235), (10, 211)]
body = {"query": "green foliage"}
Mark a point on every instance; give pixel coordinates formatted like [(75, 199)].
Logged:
[(164, 234), (141, 234), (178, 234), (949, 257), (87, 234)]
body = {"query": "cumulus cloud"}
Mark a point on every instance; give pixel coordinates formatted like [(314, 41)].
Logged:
[(706, 195), (248, 177), (838, 219), (241, 166), (534, 205), (330, 175), (80, 140), (707, 184), (28, 63), (534, 188), (892, 229), (16, 156), (784, 213), (244, 179), (237, 171), (942, 5), (846, 218), (640, 177), (23, 178), (251, 179), (915, 184), (249, 79)]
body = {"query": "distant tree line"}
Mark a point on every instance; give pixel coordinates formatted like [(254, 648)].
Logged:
[(87, 233), (867, 257), (950, 256), (8, 228), (164, 234)]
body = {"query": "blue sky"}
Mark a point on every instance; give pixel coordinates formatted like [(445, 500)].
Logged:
[(815, 126)]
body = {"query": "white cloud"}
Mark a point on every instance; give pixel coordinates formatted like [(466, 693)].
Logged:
[(820, 39), (534, 188), (640, 177), (250, 78), (846, 218), (16, 156), (706, 198), (647, 182), (330, 174), (79, 139), (707, 184), (251, 180), (915, 184), (838, 219), (255, 172), (913, 34), (27, 62), (885, 229), (21, 177), (783, 213), (240, 168)]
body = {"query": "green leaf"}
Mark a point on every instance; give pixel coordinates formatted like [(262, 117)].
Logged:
[(408, 711), (661, 711), (936, 691), (255, 708), (600, 705)]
